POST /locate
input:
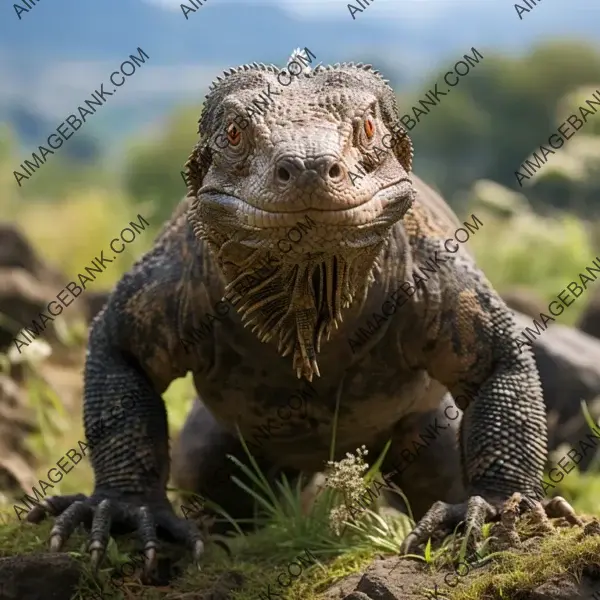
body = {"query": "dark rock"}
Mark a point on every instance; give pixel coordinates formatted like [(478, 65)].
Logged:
[(525, 301), (589, 321), (17, 422), (38, 577), (564, 588), (376, 588), (357, 596), (17, 253), (592, 528), (28, 285), (22, 298)]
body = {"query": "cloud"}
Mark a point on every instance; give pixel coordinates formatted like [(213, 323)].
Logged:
[(302, 7), (398, 9)]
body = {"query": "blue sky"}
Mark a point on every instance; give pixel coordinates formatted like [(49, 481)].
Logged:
[(61, 50)]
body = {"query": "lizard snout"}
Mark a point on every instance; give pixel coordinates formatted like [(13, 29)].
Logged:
[(294, 171)]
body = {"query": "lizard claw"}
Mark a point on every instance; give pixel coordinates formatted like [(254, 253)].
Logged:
[(96, 556), (440, 515), (151, 560), (475, 512), (56, 543), (198, 552), (102, 514), (66, 523), (100, 533)]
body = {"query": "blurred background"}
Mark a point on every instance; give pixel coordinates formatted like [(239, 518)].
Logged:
[(127, 158)]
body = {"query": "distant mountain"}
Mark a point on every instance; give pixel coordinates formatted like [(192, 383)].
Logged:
[(61, 50)]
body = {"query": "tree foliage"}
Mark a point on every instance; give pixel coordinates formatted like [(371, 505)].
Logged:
[(154, 162), (499, 113)]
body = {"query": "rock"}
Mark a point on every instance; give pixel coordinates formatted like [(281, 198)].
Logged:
[(393, 579), (22, 298), (17, 253), (38, 577), (592, 528), (28, 285), (561, 588), (17, 421), (376, 588), (589, 322), (357, 596), (525, 301)]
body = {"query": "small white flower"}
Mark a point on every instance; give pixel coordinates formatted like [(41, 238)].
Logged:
[(36, 351), (346, 476)]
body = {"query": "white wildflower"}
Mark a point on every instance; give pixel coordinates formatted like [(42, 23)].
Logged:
[(36, 351), (346, 476)]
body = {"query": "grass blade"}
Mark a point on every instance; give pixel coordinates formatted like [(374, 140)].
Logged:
[(265, 484), (254, 494), (335, 418)]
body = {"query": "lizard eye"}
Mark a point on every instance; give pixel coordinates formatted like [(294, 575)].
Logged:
[(369, 128), (234, 135)]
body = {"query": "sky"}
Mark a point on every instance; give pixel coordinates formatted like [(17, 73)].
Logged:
[(62, 50), (311, 9)]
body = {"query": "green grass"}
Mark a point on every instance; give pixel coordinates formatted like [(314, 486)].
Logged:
[(512, 574), (540, 253)]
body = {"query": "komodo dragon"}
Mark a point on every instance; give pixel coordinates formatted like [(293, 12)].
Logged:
[(299, 159)]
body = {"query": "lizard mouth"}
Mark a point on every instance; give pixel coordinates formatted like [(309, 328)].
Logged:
[(387, 204)]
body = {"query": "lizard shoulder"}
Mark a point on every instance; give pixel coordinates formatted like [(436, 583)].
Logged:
[(155, 302)]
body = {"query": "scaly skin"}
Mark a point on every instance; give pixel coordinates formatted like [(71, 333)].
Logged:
[(371, 234)]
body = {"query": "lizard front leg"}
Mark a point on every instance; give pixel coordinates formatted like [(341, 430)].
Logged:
[(126, 428), (470, 347)]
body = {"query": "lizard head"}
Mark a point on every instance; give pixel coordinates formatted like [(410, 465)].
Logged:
[(307, 174)]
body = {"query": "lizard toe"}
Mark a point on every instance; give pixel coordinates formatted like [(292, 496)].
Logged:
[(149, 520), (147, 533), (53, 505), (183, 531), (441, 514), (104, 515), (100, 533), (479, 511), (66, 522), (559, 507)]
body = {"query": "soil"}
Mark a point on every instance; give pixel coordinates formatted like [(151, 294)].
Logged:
[(412, 580), (55, 577)]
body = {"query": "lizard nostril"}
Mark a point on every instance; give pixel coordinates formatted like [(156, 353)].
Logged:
[(335, 171), (283, 174)]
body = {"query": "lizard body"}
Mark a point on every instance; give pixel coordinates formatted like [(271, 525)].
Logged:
[(371, 234)]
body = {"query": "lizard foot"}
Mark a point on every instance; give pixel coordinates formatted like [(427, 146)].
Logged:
[(446, 516), (477, 511), (103, 515)]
